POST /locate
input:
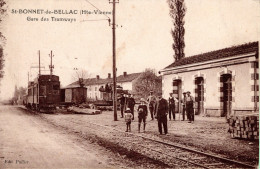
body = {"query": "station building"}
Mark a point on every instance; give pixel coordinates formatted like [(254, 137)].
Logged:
[(223, 82)]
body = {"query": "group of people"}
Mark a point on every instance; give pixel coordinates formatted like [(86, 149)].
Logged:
[(159, 108), (187, 106)]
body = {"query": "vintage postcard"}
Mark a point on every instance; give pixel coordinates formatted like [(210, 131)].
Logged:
[(129, 83)]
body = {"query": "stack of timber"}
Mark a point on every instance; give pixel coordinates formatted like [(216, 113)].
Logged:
[(244, 126)]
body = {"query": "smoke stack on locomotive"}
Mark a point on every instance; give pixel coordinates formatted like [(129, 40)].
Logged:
[(44, 93)]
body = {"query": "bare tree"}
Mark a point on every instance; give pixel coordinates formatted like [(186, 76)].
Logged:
[(146, 82), (80, 75), (177, 13)]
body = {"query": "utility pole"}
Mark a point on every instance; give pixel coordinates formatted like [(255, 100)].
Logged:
[(28, 78), (51, 66), (114, 59), (39, 63)]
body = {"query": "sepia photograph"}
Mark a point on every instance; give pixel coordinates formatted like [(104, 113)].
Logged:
[(129, 84)]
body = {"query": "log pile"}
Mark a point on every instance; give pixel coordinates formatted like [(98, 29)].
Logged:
[(244, 126)]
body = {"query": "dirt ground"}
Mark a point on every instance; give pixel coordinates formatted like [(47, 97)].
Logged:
[(62, 132), (27, 141), (208, 134)]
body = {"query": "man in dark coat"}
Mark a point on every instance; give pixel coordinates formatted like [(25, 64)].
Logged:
[(161, 114), (131, 104), (122, 101), (172, 101)]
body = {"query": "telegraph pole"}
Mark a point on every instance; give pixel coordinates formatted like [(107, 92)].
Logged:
[(114, 59), (28, 78), (39, 63), (51, 66)]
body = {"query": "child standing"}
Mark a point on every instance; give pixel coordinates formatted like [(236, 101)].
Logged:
[(128, 119), (142, 114)]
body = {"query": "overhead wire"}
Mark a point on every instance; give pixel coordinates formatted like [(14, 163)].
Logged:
[(97, 8)]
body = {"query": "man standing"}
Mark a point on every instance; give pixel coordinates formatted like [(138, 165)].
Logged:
[(142, 114), (184, 106), (151, 103), (131, 104), (172, 106), (161, 114), (189, 107), (122, 101)]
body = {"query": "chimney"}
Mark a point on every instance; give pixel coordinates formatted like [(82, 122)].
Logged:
[(81, 82), (97, 77), (125, 74), (109, 75)]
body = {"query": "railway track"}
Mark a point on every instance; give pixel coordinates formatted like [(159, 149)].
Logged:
[(172, 154)]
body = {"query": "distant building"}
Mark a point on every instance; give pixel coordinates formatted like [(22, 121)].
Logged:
[(94, 84), (223, 82), (127, 81)]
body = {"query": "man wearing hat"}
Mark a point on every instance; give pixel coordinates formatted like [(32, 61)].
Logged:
[(131, 104), (122, 101), (142, 114), (161, 114), (151, 103), (189, 107), (172, 101), (183, 101)]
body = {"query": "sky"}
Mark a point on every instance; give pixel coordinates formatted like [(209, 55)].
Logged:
[(143, 38)]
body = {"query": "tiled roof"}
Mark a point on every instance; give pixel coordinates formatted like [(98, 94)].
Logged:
[(95, 81), (128, 77), (218, 54)]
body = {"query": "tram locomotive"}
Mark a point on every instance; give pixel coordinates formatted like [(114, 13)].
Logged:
[(43, 93)]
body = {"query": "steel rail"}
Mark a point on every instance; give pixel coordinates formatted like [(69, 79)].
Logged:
[(187, 161), (184, 148), (178, 146)]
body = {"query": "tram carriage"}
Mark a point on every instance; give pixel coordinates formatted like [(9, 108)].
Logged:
[(43, 93)]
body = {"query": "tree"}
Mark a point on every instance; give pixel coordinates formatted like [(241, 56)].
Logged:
[(18, 95), (1, 61), (146, 82), (2, 38), (80, 75), (177, 13)]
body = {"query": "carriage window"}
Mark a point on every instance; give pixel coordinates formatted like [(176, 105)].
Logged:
[(35, 90), (42, 90), (56, 87), (30, 92)]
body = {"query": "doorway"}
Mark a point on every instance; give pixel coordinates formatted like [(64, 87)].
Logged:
[(199, 95), (177, 93), (227, 94)]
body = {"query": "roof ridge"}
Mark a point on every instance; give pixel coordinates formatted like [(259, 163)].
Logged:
[(216, 54)]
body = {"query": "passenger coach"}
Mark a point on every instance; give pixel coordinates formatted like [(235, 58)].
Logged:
[(43, 93)]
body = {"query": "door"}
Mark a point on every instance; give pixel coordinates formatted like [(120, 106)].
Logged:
[(177, 93), (227, 94), (68, 95), (199, 95)]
